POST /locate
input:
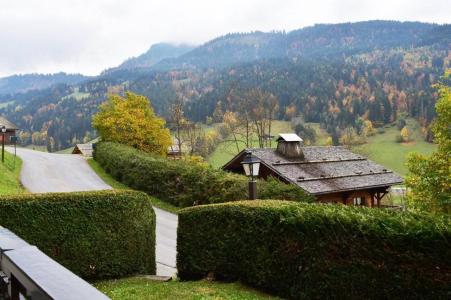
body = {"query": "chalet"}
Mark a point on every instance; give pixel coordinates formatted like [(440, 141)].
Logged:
[(174, 151), (10, 130), (331, 174), (83, 149)]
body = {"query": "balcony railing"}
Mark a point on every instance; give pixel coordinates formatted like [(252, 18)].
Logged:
[(27, 273)]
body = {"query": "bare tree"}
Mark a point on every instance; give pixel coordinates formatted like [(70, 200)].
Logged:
[(177, 120)]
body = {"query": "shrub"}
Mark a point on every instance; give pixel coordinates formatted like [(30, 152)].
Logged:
[(399, 139), (306, 251), (183, 183), (94, 234)]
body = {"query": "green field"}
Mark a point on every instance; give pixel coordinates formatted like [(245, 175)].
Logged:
[(141, 288), (37, 148), (66, 151), (10, 175), (383, 149), (77, 95), (5, 104)]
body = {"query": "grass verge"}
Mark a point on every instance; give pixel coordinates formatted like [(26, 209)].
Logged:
[(10, 175), (137, 288), (120, 186)]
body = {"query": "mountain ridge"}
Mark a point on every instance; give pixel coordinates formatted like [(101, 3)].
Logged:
[(331, 74)]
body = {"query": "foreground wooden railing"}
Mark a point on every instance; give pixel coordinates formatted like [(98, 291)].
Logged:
[(27, 273)]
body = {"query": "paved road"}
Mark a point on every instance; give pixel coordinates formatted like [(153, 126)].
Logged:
[(48, 172)]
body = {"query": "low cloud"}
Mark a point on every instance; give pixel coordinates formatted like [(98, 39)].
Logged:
[(88, 36)]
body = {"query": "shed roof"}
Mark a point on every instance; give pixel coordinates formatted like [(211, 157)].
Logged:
[(289, 137), (84, 149), (324, 170), (8, 124)]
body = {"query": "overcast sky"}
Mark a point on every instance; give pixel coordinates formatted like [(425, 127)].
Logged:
[(88, 36)]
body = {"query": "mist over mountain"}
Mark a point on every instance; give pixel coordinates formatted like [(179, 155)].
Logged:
[(330, 73), (154, 55), (317, 41)]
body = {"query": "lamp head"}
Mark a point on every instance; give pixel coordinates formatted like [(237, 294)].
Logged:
[(251, 164)]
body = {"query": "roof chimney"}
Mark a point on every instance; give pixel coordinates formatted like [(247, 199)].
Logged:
[(290, 145)]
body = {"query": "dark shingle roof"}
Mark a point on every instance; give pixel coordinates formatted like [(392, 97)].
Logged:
[(7, 123), (327, 169)]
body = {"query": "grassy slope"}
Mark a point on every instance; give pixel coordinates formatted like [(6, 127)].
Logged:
[(37, 148), (66, 151), (141, 288), (383, 149), (10, 176), (120, 186)]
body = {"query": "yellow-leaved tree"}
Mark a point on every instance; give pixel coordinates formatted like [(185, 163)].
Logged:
[(132, 121), (430, 176)]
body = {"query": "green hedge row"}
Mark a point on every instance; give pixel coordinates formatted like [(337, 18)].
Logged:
[(94, 234), (183, 183), (317, 251)]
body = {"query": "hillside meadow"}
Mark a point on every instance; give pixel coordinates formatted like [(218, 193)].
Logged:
[(381, 148)]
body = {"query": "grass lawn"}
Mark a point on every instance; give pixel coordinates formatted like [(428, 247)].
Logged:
[(37, 148), (120, 186), (383, 149), (140, 288), (10, 175), (5, 104), (66, 151)]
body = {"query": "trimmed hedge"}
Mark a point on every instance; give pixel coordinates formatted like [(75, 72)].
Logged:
[(94, 234), (183, 183), (318, 251)]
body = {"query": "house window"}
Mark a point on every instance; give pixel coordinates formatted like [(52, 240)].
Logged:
[(358, 201)]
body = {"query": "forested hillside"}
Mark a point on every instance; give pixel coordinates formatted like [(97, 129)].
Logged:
[(155, 54), (337, 75), (22, 83)]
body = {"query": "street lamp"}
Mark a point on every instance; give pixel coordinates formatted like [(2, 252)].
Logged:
[(3, 143), (251, 166)]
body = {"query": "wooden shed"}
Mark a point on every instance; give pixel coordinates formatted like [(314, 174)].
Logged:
[(83, 149), (10, 130)]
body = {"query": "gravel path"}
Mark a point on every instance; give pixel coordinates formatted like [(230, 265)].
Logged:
[(48, 172)]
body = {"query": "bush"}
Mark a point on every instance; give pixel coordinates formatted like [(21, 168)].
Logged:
[(94, 234), (183, 183), (313, 251)]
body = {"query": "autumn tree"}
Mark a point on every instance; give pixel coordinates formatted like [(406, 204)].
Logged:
[(132, 121), (233, 125), (306, 132), (192, 133), (350, 137), (430, 176), (405, 135)]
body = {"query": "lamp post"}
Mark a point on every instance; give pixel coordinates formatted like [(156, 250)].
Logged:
[(251, 166), (3, 143)]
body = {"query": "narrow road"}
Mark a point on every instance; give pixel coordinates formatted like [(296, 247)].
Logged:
[(48, 172)]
